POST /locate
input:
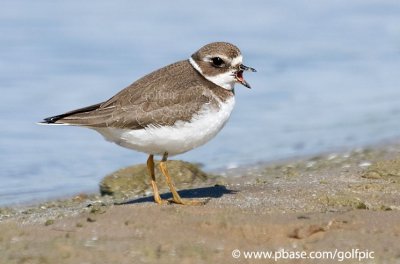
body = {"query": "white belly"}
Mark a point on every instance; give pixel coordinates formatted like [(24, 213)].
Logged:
[(176, 139)]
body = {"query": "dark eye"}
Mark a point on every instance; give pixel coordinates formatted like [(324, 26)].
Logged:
[(217, 62)]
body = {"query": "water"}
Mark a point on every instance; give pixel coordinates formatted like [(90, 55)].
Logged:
[(328, 77)]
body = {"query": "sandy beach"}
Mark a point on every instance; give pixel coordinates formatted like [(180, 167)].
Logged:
[(344, 202)]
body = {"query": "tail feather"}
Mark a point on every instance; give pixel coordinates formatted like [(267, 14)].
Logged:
[(57, 120)]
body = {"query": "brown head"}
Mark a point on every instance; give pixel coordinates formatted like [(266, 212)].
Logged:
[(220, 63)]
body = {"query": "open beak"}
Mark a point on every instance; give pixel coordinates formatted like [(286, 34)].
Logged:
[(239, 75)]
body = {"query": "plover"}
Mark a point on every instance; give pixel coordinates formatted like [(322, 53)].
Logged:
[(169, 111)]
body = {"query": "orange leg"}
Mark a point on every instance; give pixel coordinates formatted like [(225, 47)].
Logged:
[(176, 197), (150, 167)]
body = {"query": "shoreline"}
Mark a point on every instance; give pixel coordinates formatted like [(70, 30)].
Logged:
[(223, 171), (335, 200)]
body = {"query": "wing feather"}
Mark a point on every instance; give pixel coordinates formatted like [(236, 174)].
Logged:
[(160, 98)]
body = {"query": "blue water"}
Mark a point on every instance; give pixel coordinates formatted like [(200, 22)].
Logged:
[(328, 78)]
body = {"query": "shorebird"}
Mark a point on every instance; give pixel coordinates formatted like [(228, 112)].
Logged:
[(169, 111)]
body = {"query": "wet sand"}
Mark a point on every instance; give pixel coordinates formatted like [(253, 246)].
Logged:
[(339, 202)]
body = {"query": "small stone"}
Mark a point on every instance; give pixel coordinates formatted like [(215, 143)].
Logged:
[(310, 164), (97, 209), (386, 208), (361, 206), (364, 164), (372, 175), (332, 156), (303, 217), (80, 197), (306, 231), (49, 222), (91, 219), (134, 180)]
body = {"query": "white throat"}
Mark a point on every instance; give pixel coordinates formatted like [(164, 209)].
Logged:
[(225, 80)]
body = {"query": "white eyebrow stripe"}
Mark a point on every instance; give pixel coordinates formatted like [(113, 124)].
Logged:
[(237, 60)]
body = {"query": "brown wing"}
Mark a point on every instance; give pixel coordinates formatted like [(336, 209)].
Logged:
[(163, 97)]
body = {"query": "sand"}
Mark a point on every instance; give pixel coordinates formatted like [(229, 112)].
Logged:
[(344, 203)]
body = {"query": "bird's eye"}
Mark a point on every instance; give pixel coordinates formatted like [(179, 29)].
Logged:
[(218, 62)]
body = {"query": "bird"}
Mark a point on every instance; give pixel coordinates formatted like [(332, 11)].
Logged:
[(169, 111)]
